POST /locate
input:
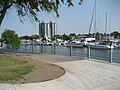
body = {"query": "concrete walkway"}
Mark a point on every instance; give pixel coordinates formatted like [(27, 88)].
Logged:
[(80, 75)]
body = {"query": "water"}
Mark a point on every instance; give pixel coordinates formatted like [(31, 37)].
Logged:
[(78, 52)]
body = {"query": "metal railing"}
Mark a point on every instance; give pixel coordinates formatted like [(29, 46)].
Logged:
[(82, 52)]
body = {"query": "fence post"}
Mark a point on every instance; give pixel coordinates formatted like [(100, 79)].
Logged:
[(20, 48), (54, 49), (42, 48), (39, 48), (32, 47), (110, 56), (88, 52), (70, 50), (25, 47)]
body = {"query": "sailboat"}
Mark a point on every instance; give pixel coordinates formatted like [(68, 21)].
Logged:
[(101, 45)]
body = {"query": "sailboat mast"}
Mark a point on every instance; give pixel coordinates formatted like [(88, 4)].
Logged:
[(94, 12), (109, 24), (106, 27), (95, 20)]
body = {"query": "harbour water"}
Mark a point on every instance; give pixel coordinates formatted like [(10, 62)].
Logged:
[(78, 52)]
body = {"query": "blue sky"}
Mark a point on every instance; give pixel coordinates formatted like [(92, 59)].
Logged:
[(72, 20)]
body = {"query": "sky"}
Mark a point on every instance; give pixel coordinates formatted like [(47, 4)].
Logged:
[(72, 20)]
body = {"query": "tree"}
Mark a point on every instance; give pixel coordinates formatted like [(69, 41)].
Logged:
[(58, 36), (34, 36), (97, 36), (72, 35), (66, 37), (9, 37), (53, 38), (25, 37), (116, 34), (31, 7), (0, 40)]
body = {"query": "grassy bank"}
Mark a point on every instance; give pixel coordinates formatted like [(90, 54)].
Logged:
[(13, 69), (25, 68)]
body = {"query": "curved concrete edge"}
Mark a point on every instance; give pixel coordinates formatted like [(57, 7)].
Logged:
[(66, 82), (80, 75)]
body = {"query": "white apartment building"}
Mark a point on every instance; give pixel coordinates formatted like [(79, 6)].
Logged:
[(47, 29)]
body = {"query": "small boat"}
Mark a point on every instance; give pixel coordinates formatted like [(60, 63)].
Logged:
[(102, 46)]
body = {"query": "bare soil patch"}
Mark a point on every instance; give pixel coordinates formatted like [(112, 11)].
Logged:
[(43, 71)]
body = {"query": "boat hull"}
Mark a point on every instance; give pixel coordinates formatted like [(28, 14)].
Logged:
[(102, 47)]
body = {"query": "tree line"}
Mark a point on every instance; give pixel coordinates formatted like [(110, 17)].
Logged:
[(98, 36), (11, 37)]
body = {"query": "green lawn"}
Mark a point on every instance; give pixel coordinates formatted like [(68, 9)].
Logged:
[(13, 69)]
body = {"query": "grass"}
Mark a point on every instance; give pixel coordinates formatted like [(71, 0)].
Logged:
[(13, 69)]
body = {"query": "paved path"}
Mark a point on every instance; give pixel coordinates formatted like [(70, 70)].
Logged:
[(80, 75)]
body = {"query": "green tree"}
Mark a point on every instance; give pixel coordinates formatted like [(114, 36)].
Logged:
[(0, 40), (31, 7), (9, 37), (116, 34), (53, 38), (58, 36), (97, 36), (25, 37), (34, 37), (72, 35), (66, 37)]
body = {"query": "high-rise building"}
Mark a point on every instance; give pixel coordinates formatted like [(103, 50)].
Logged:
[(47, 29)]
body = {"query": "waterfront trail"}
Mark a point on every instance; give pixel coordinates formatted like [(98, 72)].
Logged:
[(80, 75)]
